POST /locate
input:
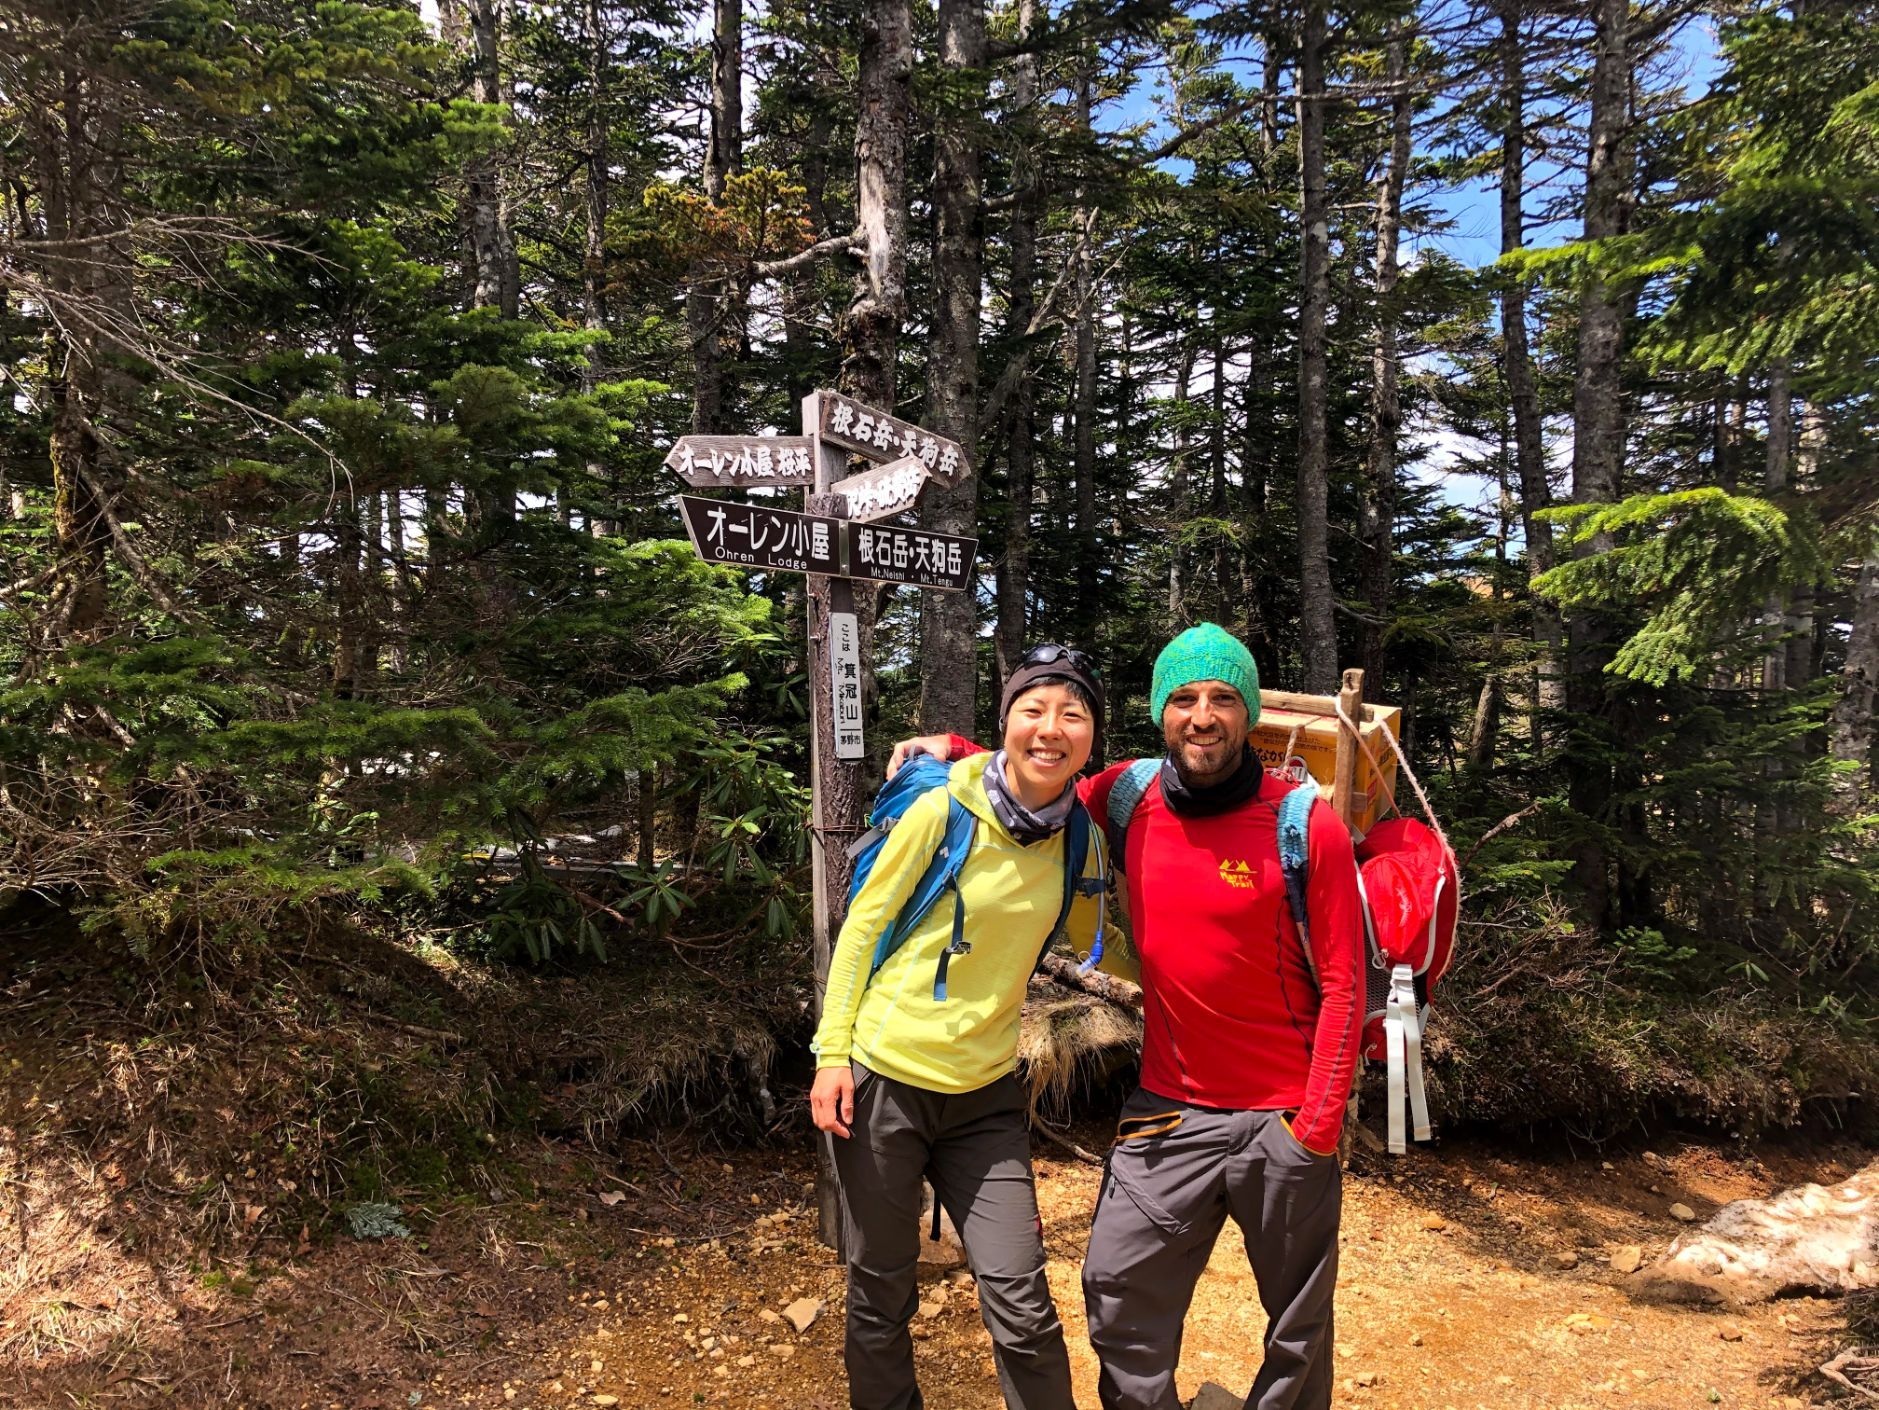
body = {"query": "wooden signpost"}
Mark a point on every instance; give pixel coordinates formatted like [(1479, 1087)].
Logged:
[(835, 543), (866, 431), (886, 490), (757, 536), (706, 461)]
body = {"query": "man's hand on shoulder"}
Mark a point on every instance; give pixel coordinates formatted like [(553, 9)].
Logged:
[(938, 745)]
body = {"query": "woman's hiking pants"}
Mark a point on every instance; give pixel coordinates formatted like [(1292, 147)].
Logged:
[(1174, 1175), (975, 1150)]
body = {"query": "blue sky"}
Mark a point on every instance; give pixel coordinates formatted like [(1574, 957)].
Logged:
[(1473, 210), (1472, 213)]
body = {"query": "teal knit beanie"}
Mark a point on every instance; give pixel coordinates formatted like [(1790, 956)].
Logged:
[(1204, 653)]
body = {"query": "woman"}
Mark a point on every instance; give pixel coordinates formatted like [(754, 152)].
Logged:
[(916, 1079)]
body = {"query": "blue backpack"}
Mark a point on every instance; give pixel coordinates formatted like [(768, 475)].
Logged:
[(922, 774)]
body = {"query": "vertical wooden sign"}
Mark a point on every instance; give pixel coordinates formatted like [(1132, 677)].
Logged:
[(840, 804), (845, 681)]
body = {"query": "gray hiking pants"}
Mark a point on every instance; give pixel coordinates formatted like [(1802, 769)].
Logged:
[(975, 1150), (1174, 1175)]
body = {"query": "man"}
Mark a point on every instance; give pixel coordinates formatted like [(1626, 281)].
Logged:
[(1249, 1045)]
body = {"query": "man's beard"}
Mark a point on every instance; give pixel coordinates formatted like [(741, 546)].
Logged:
[(1223, 755)]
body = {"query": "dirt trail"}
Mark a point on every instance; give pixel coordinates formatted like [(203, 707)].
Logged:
[(1456, 1292)]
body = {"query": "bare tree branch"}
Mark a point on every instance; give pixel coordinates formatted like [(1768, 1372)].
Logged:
[(835, 244)]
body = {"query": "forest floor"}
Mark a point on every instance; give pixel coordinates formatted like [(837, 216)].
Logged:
[(1475, 1276)]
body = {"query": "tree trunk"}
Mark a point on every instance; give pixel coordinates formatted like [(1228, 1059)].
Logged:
[(1318, 627), (1852, 734), (949, 620), (1225, 576), (1085, 451), (1485, 731), (1775, 484), (476, 25), (1014, 568), (1598, 413), (594, 265), (350, 624), (871, 330), (398, 587), (80, 599), (73, 146), (1255, 479), (1803, 663), (1598, 418), (802, 302), (1378, 516), (1536, 491), (708, 304), (1178, 507)]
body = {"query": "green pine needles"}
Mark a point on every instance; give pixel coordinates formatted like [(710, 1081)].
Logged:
[(1699, 564)]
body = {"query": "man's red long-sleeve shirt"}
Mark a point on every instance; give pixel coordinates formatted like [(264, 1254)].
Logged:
[(1232, 1016)]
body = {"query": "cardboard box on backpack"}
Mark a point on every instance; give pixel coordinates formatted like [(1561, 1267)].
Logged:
[(1315, 719)]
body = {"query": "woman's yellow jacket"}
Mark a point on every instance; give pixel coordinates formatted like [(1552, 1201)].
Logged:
[(1012, 895)]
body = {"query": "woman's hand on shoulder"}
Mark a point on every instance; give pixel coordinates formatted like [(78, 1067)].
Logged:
[(832, 1099)]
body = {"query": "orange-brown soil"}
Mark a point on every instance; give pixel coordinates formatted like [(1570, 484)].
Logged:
[(1473, 1277)]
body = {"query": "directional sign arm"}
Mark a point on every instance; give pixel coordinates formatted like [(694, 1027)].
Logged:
[(886, 490), (719, 461), (869, 431)]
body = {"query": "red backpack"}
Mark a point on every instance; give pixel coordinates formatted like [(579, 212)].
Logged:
[(1411, 890)]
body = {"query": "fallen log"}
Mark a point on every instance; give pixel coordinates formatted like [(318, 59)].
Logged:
[(1106, 987)]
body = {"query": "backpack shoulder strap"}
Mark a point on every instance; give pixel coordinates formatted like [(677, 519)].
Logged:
[(1294, 838), (1077, 835), (1125, 796), (941, 872), (960, 825)]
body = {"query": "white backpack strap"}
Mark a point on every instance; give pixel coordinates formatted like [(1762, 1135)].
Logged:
[(1418, 1096), (1402, 1031)]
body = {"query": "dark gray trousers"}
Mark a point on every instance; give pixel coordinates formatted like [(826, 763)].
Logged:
[(975, 1150), (1174, 1175)]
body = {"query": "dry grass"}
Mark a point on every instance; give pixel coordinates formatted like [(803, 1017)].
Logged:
[(163, 1125), (1072, 1045)]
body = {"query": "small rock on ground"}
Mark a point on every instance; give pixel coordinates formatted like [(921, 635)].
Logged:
[(1628, 1259), (1214, 1396), (802, 1313), (1682, 1213)]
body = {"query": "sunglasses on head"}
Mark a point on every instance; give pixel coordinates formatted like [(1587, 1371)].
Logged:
[(1050, 652)]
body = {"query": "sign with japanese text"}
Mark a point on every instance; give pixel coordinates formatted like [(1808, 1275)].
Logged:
[(756, 536), (918, 556), (887, 489), (708, 461), (838, 542), (867, 431), (845, 683)]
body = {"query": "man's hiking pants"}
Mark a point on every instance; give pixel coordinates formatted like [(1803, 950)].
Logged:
[(975, 1150), (1174, 1175)]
